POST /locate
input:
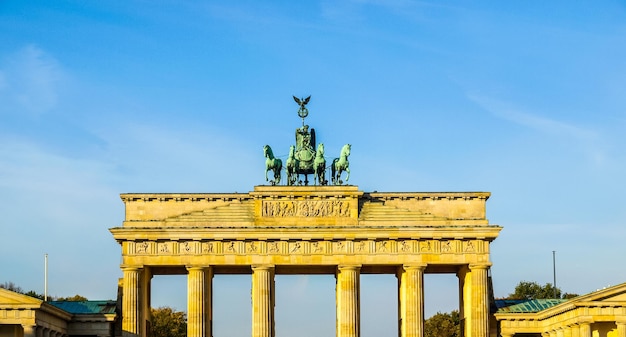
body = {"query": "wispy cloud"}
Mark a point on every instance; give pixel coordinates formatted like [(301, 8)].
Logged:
[(29, 81), (589, 141), (517, 115)]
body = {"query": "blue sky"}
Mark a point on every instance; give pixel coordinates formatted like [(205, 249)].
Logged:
[(523, 99)]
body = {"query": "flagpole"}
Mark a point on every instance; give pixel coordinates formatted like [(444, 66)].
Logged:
[(554, 270), (45, 278)]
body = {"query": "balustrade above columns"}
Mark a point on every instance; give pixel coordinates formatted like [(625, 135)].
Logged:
[(411, 300), (348, 301), (263, 301)]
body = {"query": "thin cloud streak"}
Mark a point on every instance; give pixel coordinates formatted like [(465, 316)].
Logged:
[(30, 80), (505, 111), (589, 141)]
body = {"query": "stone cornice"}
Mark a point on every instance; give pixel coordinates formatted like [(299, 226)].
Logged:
[(427, 195), (488, 233)]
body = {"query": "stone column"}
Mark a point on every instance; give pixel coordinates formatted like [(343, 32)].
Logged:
[(348, 301), (262, 301), (621, 328), (480, 300), (585, 329), (567, 331), (130, 302), (575, 331), (411, 300), (199, 302), (29, 330), (560, 333), (145, 284)]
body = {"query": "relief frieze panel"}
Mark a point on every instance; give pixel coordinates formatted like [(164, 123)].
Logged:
[(307, 247), (305, 208), (187, 247)]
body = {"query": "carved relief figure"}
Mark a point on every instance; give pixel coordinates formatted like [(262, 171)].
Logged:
[(317, 247), (445, 246), (405, 246), (142, 248), (208, 248), (164, 247), (296, 247), (306, 208), (274, 247), (382, 246)]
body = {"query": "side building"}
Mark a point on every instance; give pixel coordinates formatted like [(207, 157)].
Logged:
[(26, 316), (598, 314)]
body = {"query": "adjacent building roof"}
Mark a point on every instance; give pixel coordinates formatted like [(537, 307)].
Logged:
[(526, 306), (86, 307)]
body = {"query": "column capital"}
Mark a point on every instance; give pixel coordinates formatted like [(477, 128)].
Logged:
[(194, 267), (262, 267), (30, 330), (349, 267), (415, 266), (131, 268), (484, 265)]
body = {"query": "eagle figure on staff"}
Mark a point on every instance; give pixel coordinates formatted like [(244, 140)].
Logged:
[(302, 102)]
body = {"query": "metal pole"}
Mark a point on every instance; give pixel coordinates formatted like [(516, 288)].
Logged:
[(45, 279), (554, 270)]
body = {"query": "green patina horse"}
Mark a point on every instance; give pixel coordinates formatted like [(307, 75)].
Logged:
[(341, 164), (271, 163), (319, 165), (292, 164)]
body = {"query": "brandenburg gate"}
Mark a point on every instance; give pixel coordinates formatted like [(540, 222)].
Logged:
[(306, 230), (296, 228)]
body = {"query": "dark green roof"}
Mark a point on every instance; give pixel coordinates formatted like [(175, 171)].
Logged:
[(526, 306), (86, 307)]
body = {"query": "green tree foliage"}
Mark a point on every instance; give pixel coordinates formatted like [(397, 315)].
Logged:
[(443, 325), (526, 290), (13, 287), (166, 322), (75, 298), (35, 295)]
